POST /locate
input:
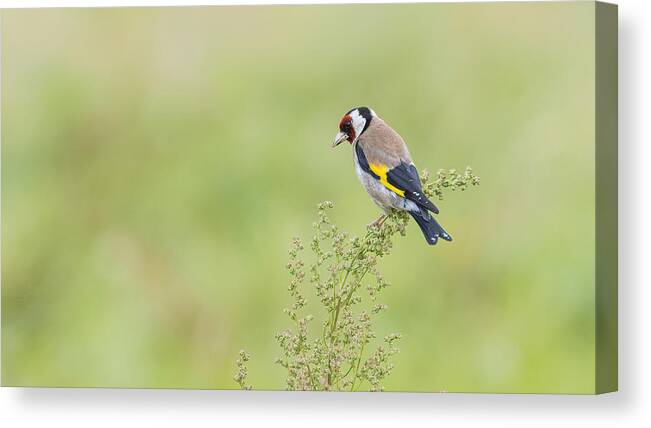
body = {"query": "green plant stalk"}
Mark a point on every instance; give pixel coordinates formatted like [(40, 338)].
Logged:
[(314, 364)]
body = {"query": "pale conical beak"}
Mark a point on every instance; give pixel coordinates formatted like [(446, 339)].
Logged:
[(341, 136)]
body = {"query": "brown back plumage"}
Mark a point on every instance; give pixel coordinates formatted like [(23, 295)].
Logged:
[(383, 145)]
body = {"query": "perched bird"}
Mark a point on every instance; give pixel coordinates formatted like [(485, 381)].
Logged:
[(385, 168)]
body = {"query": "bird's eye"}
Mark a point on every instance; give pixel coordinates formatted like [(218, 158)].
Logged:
[(347, 125)]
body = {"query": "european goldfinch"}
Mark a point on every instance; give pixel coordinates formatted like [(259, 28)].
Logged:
[(385, 168)]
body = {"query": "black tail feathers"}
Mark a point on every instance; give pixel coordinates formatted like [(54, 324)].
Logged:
[(430, 227)]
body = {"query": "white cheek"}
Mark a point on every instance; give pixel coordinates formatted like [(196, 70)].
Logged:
[(359, 127), (358, 123)]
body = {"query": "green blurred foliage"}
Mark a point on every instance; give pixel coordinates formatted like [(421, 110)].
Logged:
[(156, 163)]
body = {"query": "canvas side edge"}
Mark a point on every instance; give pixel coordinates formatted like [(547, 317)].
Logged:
[(606, 268)]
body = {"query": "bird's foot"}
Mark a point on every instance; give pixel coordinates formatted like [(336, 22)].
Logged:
[(379, 222)]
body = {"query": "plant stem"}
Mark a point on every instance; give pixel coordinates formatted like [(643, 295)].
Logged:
[(360, 253), (359, 359)]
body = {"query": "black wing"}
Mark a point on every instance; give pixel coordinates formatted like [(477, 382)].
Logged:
[(405, 177), (402, 179)]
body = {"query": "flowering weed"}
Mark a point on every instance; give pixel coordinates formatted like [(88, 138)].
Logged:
[(343, 353)]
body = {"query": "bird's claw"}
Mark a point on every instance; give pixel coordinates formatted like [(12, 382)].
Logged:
[(377, 223)]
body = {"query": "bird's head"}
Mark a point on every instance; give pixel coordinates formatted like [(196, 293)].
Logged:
[(353, 125)]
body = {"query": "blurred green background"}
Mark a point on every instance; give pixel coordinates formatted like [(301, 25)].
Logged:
[(156, 163)]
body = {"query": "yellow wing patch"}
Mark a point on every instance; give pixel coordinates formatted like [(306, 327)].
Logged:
[(381, 171)]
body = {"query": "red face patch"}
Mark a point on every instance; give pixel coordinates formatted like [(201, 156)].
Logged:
[(346, 126)]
